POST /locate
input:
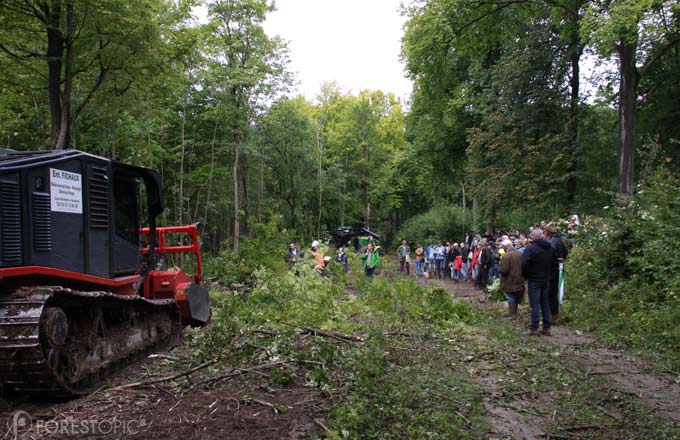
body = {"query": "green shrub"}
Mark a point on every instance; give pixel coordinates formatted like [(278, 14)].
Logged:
[(266, 250), (518, 218), (623, 279), (439, 223)]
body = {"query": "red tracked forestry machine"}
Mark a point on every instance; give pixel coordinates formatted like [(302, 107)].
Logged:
[(83, 291)]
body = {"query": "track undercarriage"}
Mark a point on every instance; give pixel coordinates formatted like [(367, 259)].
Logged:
[(59, 342)]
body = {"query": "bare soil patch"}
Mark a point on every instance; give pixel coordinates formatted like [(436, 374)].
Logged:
[(246, 407)]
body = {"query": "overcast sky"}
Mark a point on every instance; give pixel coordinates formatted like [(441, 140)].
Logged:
[(355, 43)]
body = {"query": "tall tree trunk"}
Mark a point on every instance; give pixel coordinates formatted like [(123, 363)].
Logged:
[(246, 202), (55, 51), (627, 105), (113, 137), (344, 191), (102, 139), (73, 134), (210, 176), (491, 224), (237, 207), (368, 214), (462, 186), (193, 218), (260, 195), (180, 217), (367, 186), (474, 213), (572, 26), (148, 130), (65, 123), (320, 148), (292, 201), (181, 166), (573, 124)]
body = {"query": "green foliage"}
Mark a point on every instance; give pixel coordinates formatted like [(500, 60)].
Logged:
[(518, 218), (287, 136), (391, 395), (59, 57), (437, 60), (302, 297), (439, 223), (622, 277), (597, 162), (361, 139), (379, 390), (612, 23), (223, 330), (497, 94), (520, 152), (639, 34), (403, 302), (494, 290), (264, 252)]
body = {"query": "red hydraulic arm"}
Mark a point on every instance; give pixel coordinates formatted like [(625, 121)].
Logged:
[(186, 290), (164, 248)]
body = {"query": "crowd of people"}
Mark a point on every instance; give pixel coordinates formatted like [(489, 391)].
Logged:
[(370, 257), (531, 263), (514, 258)]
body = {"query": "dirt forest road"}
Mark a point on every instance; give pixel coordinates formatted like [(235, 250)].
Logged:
[(619, 380), (241, 406), (566, 386)]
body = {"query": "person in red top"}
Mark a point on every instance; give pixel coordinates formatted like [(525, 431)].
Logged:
[(474, 265), (457, 266)]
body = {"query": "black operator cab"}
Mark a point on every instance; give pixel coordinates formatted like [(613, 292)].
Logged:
[(75, 211)]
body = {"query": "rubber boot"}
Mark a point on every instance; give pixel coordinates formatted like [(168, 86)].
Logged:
[(513, 309)]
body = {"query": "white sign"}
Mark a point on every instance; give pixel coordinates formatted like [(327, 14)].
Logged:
[(66, 191)]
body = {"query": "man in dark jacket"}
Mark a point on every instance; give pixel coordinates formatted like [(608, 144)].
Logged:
[(553, 290), (451, 254), (293, 255), (537, 265), (485, 261), (465, 253)]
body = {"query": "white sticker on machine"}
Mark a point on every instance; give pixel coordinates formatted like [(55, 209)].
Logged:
[(66, 191)]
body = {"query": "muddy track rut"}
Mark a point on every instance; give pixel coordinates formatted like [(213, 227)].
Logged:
[(619, 376)]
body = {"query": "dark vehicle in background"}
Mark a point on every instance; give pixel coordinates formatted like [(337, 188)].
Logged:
[(345, 235)]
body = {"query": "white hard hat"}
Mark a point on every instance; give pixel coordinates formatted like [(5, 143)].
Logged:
[(315, 243)]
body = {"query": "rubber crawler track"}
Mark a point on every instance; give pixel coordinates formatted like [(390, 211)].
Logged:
[(25, 365)]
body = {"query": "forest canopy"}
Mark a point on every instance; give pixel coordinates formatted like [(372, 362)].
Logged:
[(501, 124)]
